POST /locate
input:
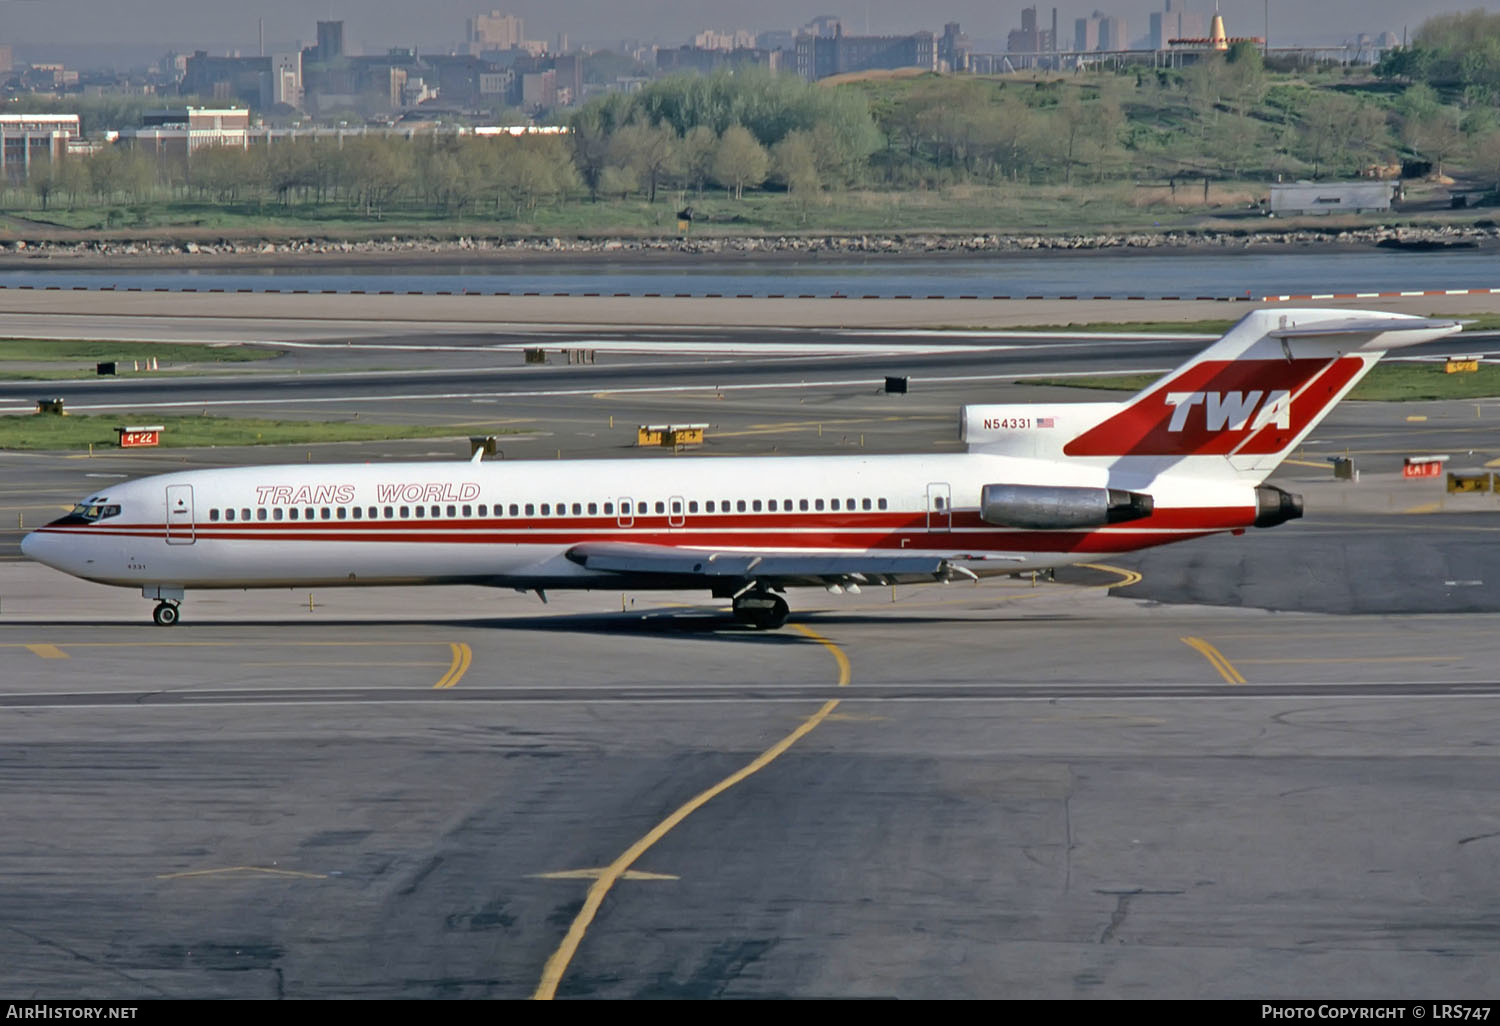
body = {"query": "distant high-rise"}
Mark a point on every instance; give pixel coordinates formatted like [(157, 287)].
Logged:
[(1031, 37), (1174, 22), (1100, 32), (330, 41), (495, 31), (825, 26)]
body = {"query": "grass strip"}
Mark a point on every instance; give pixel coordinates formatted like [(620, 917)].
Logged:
[(44, 350), (1388, 382), (52, 432)]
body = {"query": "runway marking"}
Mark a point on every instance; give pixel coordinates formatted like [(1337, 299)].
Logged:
[(47, 651), (241, 869), (1306, 463), (216, 644), (1216, 659), (594, 874), (552, 972), (561, 392), (463, 655), (340, 662), (1426, 507), (1359, 659)]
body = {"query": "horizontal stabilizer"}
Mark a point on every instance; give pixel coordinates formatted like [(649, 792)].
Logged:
[(1400, 329)]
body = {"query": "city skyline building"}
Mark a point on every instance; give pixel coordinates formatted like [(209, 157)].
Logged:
[(495, 31)]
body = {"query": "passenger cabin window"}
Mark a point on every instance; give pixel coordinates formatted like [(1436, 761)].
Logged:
[(310, 513), (578, 509), (437, 511), (593, 508), (468, 511), (771, 506), (740, 505), (213, 514), (358, 512), (818, 505), (515, 510), (881, 503), (277, 513), (864, 504), (421, 511), (676, 505), (609, 509), (342, 512), (405, 512), (708, 507), (833, 504), (802, 505), (692, 505), (291, 514), (938, 502), (625, 509), (661, 507), (755, 505), (531, 510)]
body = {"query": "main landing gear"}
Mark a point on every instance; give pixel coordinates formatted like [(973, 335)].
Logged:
[(761, 609), (165, 614)]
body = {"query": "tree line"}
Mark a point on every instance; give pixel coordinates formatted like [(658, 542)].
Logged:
[(1224, 117)]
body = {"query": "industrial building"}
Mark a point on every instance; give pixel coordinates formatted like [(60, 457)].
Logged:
[(1331, 197), (819, 57), (28, 139)]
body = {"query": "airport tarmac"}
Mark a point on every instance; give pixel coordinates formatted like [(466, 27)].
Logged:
[(1256, 767)]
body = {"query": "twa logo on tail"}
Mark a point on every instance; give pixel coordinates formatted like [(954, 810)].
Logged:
[(1224, 407), (1231, 409)]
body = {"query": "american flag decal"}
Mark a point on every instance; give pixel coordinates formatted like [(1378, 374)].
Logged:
[(1046, 422)]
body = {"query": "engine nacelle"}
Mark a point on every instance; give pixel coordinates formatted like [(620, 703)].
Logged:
[(1274, 506), (1056, 507)]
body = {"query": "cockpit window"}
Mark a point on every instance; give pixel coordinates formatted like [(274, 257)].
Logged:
[(92, 511)]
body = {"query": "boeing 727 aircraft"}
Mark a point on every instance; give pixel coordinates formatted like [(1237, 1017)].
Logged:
[(1040, 486)]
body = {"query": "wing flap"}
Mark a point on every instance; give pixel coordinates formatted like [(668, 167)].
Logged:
[(632, 558)]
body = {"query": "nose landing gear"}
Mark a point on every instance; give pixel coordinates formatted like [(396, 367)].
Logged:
[(165, 614)]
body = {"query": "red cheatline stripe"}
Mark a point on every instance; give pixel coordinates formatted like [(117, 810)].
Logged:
[(1169, 519), (1102, 540)]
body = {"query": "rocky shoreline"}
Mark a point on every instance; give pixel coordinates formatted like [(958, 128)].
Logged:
[(500, 248)]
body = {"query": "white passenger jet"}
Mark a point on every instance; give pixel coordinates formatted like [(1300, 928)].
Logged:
[(1040, 486)]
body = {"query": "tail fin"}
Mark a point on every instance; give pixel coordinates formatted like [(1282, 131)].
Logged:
[(1245, 402)]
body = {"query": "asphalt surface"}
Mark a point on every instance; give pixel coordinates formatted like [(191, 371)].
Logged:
[(1257, 767)]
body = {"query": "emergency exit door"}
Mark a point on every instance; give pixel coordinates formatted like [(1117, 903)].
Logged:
[(180, 515)]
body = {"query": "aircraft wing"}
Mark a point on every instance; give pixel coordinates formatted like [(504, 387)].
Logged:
[(630, 558)]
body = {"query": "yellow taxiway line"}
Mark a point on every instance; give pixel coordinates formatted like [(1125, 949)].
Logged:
[(552, 972), (1216, 659), (463, 655)]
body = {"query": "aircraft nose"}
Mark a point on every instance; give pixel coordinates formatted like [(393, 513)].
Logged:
[(35, 546)]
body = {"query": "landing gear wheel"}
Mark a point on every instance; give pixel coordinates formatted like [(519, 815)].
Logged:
[(165, 614), (761, 610)]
